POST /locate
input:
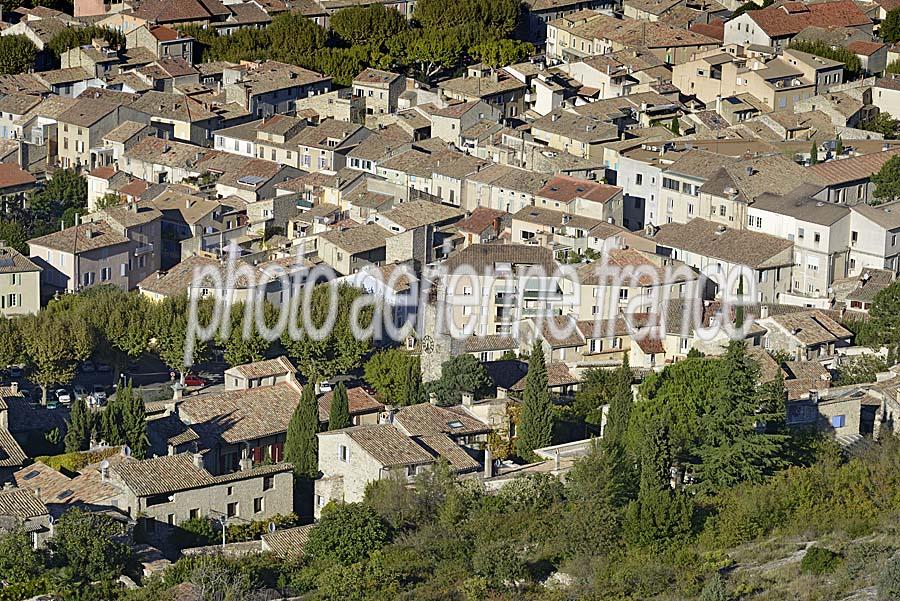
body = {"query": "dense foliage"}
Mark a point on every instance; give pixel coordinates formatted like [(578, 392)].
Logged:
[(17, 54), (436, 41)]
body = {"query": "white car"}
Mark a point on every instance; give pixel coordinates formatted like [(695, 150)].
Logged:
[(63, 396), (325, 386), (80, 392)]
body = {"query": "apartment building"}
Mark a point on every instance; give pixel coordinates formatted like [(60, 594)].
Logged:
[(820, 233), (719, 251), (20, 283)]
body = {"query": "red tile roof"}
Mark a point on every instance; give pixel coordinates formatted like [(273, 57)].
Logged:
[(566, 189), (864, 48), (12, 175), (715, 30), (792, 17), (164, 34)]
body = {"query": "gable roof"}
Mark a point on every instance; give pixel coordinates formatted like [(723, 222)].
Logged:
[(387, 445), (358, 400), (81, 238), (812, 327), (791, 17), (425, 418), (710, 239), (239, 415)]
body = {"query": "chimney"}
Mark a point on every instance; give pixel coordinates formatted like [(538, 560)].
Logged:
[(198, 460), (488, 463), (104, 470), (814, 395), (763, 311), (14, 387), (432, 398), (885, 146), (246, 462), (719, 104), (501, 392), (467, 399)]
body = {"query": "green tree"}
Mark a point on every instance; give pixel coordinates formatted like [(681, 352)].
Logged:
[(387, 371), (78, 428), (434, 51), (17, 54), (883, 124), (301, 444), (14, 235), (535, 427), (293, 37), (88, 544), (890, 27), (10, 343), (884, 320), (838, 146), (346, 533), (500, 53), (735, 449), (19, 561), (339, 350), (675, 126), (53, 345), (339, 415), (463, 373), (134, 420), (887, 180), (814, 154), (601, 386), (245, 344), (372, 24), (414, 391)]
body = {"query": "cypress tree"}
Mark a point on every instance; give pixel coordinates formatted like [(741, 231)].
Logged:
[(536, 420), (737, 448), (814, 154), (78, 429), (339, 416), (134, 420), (413, 389), (301, 444), (620, 404)]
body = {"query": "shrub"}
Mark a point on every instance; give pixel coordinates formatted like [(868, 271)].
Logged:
[(241, 532), (72, 462), (819, 561), (196, 532), (889, 581)]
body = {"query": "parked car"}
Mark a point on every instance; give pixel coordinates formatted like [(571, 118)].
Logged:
[(80, 392), (103, 368), (194, 380), (88, 367), (52, 403), (325, 386), (98, 395), (63, 396)]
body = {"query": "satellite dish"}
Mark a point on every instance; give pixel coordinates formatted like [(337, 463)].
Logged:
[(126, 450), (271, 527), (104, 465)]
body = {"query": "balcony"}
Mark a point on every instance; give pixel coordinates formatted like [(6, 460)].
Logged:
[(143, 250)]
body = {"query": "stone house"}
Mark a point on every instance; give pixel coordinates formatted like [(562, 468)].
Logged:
[(805, 335), (380, 90), (84, 255), (165, 491)]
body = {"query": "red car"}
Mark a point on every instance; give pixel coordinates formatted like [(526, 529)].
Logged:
[(194, 380)]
